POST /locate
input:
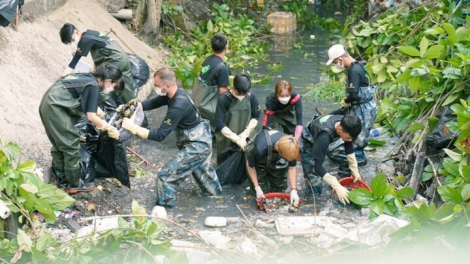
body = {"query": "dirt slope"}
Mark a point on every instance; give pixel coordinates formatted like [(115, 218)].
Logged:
[(33, 57)]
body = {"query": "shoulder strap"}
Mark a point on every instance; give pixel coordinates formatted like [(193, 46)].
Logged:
[(214, 71), (295, 99), (270, 146), (96, 38), (191, 101)]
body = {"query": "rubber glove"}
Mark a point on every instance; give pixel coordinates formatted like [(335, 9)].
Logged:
[(259, 192), (298, 131), (241, 142), (343, 104), (352, 162), (340, 190), (131, 102), (112, 131), (250, 127), (100, 113), (135, 129), (294, 197)]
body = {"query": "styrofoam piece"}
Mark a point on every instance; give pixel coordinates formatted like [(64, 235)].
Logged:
[(215, 221), (4, 210), (158, 211), (301, 225)]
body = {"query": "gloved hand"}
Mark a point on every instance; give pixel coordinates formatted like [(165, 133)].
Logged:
[(294, 198), (298, 131), (100, 113), (112, 131), (131, 102), (241, 143), (340, 190), (251, 126), (343, 104), (259, 192), (135, 129), (230, 135), (352, 163)]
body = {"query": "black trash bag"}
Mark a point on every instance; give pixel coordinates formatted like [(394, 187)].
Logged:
[(111, 160), (8, 11), (139, 70), (233, 169), (89, 135), (87, 166), (441, 136)]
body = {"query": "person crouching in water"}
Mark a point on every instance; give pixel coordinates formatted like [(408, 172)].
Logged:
[(271, 156), (61, 108), (193, 138)]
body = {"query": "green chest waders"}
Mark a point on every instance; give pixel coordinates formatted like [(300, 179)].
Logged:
[(284, 120)]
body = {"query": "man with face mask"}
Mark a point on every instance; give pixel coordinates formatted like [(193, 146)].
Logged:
[(284, 110), (360, 101), (314, 146), (193, 138), (236, 115)]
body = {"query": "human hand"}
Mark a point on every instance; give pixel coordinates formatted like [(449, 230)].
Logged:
[(241, 143), (259, 192), (100, 113), (129, 125), (294, 198), (343, 104)]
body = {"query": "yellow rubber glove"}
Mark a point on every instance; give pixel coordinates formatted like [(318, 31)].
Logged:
[(100, 113), (135, 129), (352, 163), (340, 190), (250, 127), (112, 131), (343, 104)]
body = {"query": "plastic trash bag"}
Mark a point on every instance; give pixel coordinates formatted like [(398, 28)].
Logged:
[(233, 169), (87, 167), (139, 70), (441, 136), (111, 160), (89, 142)]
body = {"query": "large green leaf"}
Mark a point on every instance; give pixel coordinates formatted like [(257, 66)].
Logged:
[(453, 155), (451, 168), (423, 46), (465, 192), (432, 123), (360, 197), (404, 77), (433, 52), (449, 195), (377, 206), (410, 51), (377, 142), (28, 166), (24, 239), (57, 199), (379, 186), (45, 209), (405, 193), (449, 29)]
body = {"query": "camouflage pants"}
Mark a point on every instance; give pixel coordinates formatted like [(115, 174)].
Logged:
[(193, 158)]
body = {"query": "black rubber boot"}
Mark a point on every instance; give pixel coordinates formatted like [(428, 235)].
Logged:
[(76, 184), (59, 175)]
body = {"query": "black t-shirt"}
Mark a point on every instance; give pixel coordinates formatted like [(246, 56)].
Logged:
[(86, 43), (260, 151), (221, 77), (85, 87), (223, 105), (356, 78), (323, 140), (181, 114), (90, 99), (273, 105)]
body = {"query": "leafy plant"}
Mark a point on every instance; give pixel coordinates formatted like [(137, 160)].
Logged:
[(168, 8), (329, 90), (382, 199), (300, 9)]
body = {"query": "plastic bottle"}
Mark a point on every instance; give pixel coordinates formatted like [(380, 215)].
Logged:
[(375, 132)]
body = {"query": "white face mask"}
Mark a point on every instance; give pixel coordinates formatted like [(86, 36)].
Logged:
[(159, 91), (108, 90), (283, 100), (239, 97)]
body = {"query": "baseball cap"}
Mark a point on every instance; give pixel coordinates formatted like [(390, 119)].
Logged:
[(334, 52)]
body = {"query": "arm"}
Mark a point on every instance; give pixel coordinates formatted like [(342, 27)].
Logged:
[(155, 102), (254, 179), (223, 79), (352, 161), (292, 177)]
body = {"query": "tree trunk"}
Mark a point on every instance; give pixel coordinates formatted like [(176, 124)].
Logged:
[(151, 27)]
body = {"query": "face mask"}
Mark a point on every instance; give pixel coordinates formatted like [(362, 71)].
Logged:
[(159, 91), (284, 100), (339, 66), (75, 43), (108, 90), (239, 97)]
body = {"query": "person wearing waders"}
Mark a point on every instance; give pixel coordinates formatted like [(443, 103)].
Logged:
[(271, 156), (61, 108), (360, 101), (284, 110), (103, 49), (236, 115), (193, 138), (314, 143)]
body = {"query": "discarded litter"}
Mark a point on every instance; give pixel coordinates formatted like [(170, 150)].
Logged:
[(301, 225), (276, 202), (215, 221)]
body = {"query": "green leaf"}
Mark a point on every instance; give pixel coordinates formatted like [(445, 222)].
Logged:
[(29, 188), (24, 239), (45, 209), (44, 241), (415, 127), (453, 155), (210, 26), (122, 223), (434, 31), (377, 206), (423, 46), (28, 166), (56, 198), (450, 99), (466, 173), (432, 123), (451, 168), (360, 197), (379, 186), (377, 142), (449, 195), (465, 192), (410, 51), (434, 52), (404, 77), (405, 193), (428, 173), (449, 29)]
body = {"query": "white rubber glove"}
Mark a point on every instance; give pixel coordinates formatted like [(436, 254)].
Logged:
[(294, 198), (249, 128), (241, 143), (112, 131), (135, 129), (100, 113), (352, 162), (343, 104), (234, 137), (259, 192), (340, 190)]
